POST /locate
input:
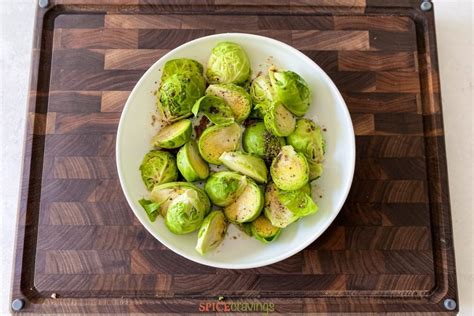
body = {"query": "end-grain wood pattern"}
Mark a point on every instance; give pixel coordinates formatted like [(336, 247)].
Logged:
[(389, 250)]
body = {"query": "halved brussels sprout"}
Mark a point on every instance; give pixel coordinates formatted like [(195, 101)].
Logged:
[(247, 164), (298, 201), (261, 90), (215, 109), (158, 167), (224, 187), (258, 141), (289, 169), (263, 230), (284, 207), (236, 97), (190, 163), (308, 140), (212, 232), (178, 93), (262, 95), (217, 139), (180, 66), (174, 135), (185, 213), (247, 206), (292, 90), (278, 120), (165, 194), (228, 63)]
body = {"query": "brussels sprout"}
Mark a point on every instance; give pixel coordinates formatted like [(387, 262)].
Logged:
[(275, 211), (289, 169), (174, 135), (247, 164), (178, 93), (284, 207), (236, 97), (215, 109), (298, 202), (158, 167), (291, 90), (247, 206), (190, 163), (278, 120), (180, 66), (185, 213), (228, 63), (224, 187), (212, 232), (217, 139), (165, 194), (308, 140), (261, 91), (258, 141), (263, 230)]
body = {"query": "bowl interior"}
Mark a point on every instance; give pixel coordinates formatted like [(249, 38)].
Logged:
[(330, 191)]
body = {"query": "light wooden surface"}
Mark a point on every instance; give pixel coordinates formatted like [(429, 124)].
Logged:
[(109, 102)]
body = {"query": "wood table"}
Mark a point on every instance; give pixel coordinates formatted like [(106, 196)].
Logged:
[(80, 248)]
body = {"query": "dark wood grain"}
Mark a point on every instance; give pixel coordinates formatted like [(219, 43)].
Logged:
[(291, 265), (381, 102), (75, 102), (390, 146), (97, 38), (397, 81), (389, 250), (77, 21), (92, 262), (84, 79), (383, 214), (352, 81), (391, 168), (87, 213), (297, 23), (328, 60), (374, 23), (393, 41), (132, 58), (331, 40), (90, 123), (70, 59), (164, 39), (377, 61)]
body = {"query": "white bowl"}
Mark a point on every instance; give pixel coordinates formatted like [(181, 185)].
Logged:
[(327, 108)]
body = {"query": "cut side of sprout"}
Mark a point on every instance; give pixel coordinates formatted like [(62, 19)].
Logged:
[(212, 232), (248, 205), (174, 135), (190, 163), (249, 165), (263, 230), (218, 139), (289, 169)]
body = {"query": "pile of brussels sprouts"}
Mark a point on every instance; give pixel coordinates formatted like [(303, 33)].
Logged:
[(252, 127)]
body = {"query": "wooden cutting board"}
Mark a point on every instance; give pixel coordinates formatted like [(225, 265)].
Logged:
[(80, 248)]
